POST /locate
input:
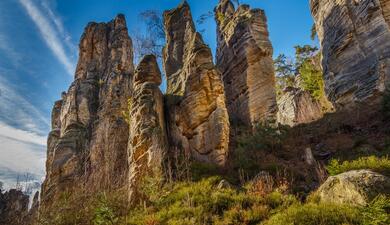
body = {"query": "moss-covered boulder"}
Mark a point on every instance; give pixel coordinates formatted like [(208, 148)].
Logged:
[(358, 187)]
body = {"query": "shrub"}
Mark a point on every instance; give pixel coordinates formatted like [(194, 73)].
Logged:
[(104, 214), (316, 214), (203, 203), (265, 138), (377, 212), (380, 165)]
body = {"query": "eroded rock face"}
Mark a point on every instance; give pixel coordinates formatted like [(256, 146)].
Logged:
[(88, 144), (297, 106), (244, 57), (148, 139), (198, 118), (355, 44), (354, 187), (13, 207)]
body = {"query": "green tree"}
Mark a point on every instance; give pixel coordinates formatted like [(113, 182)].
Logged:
[(285, 72)]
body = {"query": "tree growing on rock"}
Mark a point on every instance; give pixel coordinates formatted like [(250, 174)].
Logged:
[(153, 40)]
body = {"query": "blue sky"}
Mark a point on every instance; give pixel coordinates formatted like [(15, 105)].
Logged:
[(38, 54)]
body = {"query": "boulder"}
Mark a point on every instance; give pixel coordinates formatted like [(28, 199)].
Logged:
[(355, 47), (354, 187), (198, 121), (244, 57)]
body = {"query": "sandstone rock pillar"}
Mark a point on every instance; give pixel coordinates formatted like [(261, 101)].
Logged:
[(244, 57), (198, 119), (355, 46), (148, 140)]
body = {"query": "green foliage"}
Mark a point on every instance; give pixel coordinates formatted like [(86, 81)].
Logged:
[(103, 213), (307, 65), (203, 203), (304, 53), (312, 79), (199, 170), (316, 214), (265, 138), (285, 73), (377, 212), (126, 113), (313, 32), (381, 165)]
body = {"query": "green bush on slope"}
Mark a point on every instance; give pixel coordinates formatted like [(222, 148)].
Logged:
[(377, 164), (203, 203)]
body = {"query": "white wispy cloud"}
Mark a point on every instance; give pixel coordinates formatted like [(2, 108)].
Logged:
[(21, 135), (59, 25), (15, 110), (23, 130), (49, 33)]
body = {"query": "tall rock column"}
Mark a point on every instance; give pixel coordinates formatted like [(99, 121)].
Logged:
[(355, 44), (88, 145), (198, 119), (148, 140), (244, 57)]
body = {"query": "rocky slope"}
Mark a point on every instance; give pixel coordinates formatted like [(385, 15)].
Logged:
[(88, 144), (244, 57), (198, 121), (355, 45)]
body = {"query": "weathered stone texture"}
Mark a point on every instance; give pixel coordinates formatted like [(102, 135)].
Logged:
[(198, 119), (244, 57), (13, 207), (88, 144), (355, 44), (354, 187), (148, 139), (297, 106)]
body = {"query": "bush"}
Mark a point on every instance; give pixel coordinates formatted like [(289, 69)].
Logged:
[(377, 212), (203, 203), (104, 214), (265, 138), (316, 214), (380, 165)]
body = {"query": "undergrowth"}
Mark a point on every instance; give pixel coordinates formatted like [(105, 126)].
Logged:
[(377, 164)]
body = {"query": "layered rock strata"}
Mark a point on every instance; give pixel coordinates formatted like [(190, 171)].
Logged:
[(198, 119), (148, 140), (355, 45), (88, 142), (297, 106), (244, 57)]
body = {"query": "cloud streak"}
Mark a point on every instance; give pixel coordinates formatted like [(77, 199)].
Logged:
[(49, 33), (18, 112), (23, 130)]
